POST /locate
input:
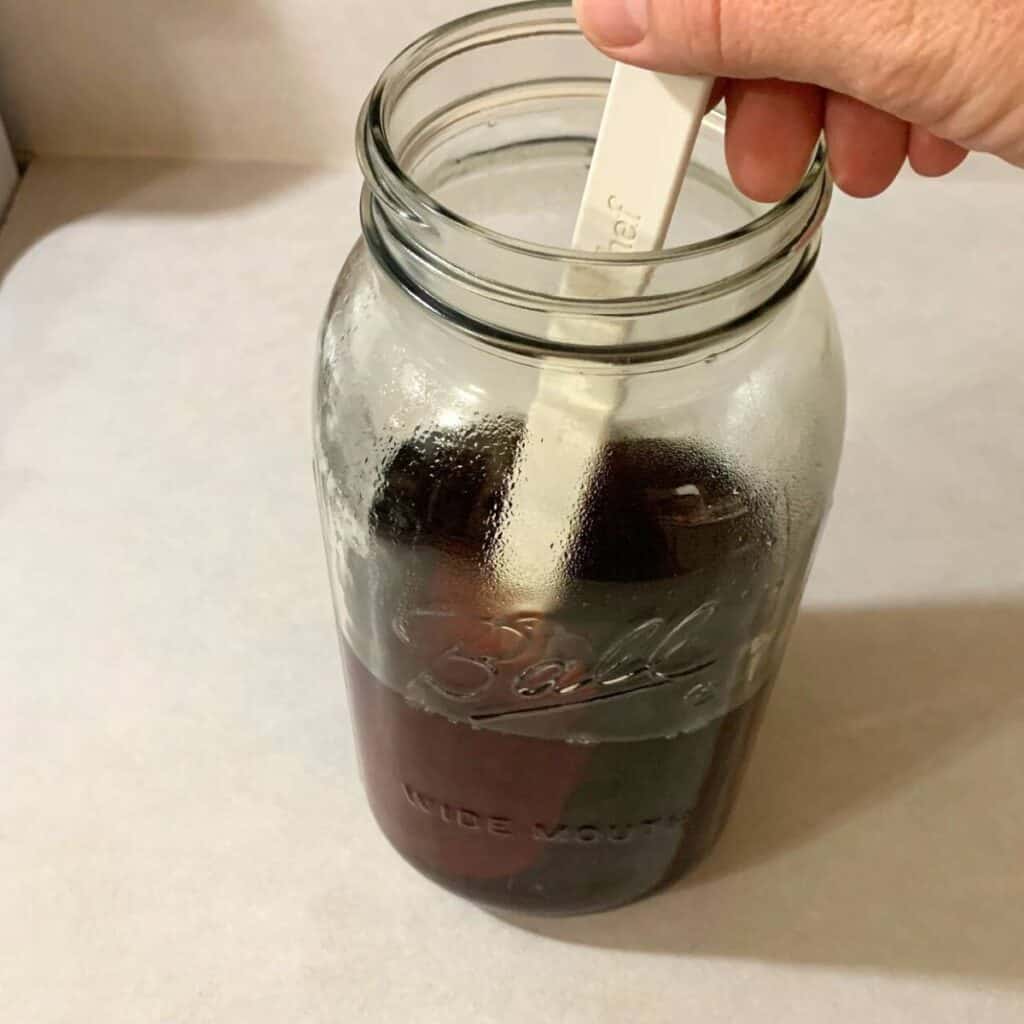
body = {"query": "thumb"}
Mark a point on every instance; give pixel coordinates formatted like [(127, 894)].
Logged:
[(952, 66)]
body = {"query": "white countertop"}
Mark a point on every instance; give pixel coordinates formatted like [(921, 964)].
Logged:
[(183, 837)]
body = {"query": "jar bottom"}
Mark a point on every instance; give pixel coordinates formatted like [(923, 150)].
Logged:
[(538, 825)]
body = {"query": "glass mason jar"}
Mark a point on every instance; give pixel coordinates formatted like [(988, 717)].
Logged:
[(575, 744)]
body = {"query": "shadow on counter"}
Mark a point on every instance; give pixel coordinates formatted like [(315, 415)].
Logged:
[(882, 819)]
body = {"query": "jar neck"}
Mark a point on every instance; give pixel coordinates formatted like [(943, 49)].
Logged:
[(472, 111)]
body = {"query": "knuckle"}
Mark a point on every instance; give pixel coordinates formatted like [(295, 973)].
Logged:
[(694, 26)]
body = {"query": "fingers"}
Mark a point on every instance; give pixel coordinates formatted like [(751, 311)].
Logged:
[(866, 147), (928, 62), (931, 156), (904, 61), (613, 23), (772, 128), (832, 43)]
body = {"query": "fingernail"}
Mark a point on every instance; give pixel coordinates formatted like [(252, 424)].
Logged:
[(613, 22)]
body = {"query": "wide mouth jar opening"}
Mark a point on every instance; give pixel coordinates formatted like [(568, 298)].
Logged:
[(475, 145)]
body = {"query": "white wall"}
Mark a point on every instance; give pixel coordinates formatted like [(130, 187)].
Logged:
[(237, 79)]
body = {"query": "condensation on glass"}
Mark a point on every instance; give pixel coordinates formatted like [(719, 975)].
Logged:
[(572, 758)]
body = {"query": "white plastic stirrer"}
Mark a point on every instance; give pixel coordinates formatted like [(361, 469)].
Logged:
[(643, 149)]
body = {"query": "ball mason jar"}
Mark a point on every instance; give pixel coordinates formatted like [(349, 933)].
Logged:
[(571, 754)]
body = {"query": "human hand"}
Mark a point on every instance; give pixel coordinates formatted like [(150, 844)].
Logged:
[(884, 79)]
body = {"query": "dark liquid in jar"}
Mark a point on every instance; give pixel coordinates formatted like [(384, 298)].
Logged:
[(542, 823)]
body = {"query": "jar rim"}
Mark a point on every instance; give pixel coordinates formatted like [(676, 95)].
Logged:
[(389, 182)]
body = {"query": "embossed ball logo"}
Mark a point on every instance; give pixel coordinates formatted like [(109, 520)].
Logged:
[(491, 668)]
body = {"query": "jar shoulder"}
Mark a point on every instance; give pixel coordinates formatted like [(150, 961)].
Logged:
[(395, 368)]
